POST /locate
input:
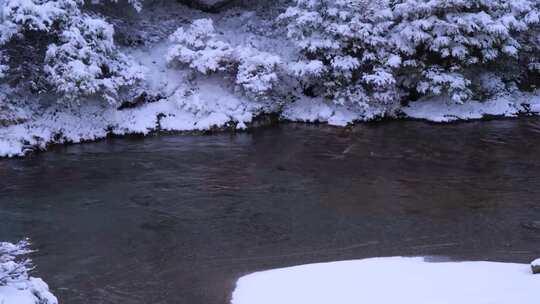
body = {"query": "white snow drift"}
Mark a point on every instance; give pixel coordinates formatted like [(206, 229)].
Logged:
[(16, 284), (391, 281), (33, 291)]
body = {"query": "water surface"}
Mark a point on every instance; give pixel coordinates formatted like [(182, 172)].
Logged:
[(177, 219)]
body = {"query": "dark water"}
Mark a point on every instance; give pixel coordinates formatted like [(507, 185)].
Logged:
[(177, 219)]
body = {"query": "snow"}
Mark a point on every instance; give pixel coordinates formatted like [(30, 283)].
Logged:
[(318, 110), (75, 67), (210, 105), (441, 110), (433, 109), (536, 263), (16, 285), (33, 291), (390, 281), (12, 295), (186, 105), (242, 64)]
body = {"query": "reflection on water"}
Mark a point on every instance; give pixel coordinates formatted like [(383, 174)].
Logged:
[(176, 219)]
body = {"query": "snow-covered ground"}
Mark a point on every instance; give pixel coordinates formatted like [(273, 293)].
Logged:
[(504, 106), (33, 291), (212, 105), (16, 285), (391, 281)]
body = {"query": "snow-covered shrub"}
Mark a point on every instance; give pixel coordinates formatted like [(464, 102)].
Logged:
[(528, 68), (257, 72), (10, 113), (446, 44), (52, 46), (345, 54), (26, 28), (198, 46), (86, 62), (380, 51), (19, 16), (14, 267)]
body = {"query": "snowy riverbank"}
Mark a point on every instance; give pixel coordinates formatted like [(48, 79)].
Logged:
[(16, 285), (391, 280), (214, 107), (199, 71)]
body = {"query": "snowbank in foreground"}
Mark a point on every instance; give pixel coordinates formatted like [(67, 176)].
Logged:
[(391, 281), (16, 285), (33, 291)]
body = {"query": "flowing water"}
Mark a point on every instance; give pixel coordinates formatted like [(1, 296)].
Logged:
[(177, 219)]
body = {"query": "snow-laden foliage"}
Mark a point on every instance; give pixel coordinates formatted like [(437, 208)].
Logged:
[(10, 114), (197, 47), (19, 16), (446, 44), (344, 50), (54, 47), (379, 51), (14, 267), (86, 62), (255, 73)]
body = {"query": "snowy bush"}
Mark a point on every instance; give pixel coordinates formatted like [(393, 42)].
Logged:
[(14, 267), (87, 62), (345, 53), (52, 46), (380, 51), (257, 72), (34, 15), (448, 43), (197, 46)]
